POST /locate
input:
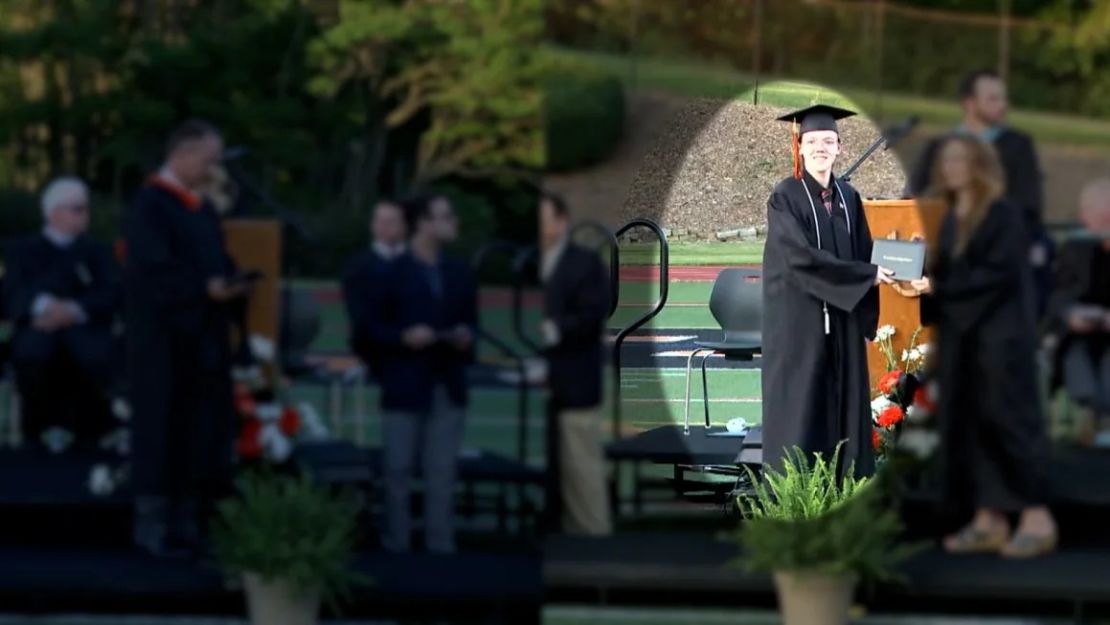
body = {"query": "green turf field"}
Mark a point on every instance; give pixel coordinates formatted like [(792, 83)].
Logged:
[(689, 253)]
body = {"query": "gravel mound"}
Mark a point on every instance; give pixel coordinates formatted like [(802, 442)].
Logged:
[(713, 165)]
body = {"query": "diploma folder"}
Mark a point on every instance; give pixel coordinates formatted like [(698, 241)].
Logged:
[(905, 258)]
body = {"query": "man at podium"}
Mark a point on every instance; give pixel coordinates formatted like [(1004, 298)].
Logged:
[(821, 304)]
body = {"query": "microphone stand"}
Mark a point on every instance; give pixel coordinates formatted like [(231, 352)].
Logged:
[(287, 217), (889, 138)]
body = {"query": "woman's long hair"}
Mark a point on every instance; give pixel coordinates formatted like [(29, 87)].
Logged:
[(987, 185)]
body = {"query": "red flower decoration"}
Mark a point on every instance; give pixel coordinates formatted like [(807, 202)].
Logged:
[(290, 421), (244, 401), (921, 399), (891, 416), (876, 439), (889, 382), (249, 445)]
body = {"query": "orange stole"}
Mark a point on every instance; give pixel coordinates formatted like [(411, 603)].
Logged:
[(898, 219)]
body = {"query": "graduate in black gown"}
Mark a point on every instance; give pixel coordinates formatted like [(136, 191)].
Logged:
[(821, 305), (178, 291), (980, 299)]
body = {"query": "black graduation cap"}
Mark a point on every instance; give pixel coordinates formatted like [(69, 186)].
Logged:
[(816, 117)]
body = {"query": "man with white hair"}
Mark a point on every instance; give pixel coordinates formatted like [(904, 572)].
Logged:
[(1080, 312), (62, 292)]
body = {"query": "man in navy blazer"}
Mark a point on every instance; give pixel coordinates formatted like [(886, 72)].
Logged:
[(387, 233), (422, 320)]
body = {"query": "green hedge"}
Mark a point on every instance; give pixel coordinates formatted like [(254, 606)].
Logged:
[(584, 117)]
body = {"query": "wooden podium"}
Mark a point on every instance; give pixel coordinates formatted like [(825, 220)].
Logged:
[(898, 219), (256, 244)]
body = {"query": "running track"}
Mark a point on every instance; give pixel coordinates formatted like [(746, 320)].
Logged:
[(685, 273), (632, 273)]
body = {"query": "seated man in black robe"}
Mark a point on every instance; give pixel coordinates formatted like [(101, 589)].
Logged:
[(1079, 314), (179, 285), (821, 305), (62, 292)]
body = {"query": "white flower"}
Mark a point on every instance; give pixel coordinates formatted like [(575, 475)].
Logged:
[(884, 332), (121, 409), (275, 445), (57, 439), (268, 412), (923, 349), (312, 426), (919, 442), (879, 404), (100, 480), (911, 355), (916, 414)]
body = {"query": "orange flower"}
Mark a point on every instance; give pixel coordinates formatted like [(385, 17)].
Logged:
[(891, 416), (876, 439), (889, 382)]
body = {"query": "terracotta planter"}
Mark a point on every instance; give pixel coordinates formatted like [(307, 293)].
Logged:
[(278, 603), (814, 598)]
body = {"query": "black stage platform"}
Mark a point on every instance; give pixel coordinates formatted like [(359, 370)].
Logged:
[(65, 549), (502, 588), (653, 568)]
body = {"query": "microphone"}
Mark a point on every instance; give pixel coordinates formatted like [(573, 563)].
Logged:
[(235, 153), (897, 132)]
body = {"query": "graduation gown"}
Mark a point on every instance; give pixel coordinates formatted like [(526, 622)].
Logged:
[(982, 309), (815, 384), (178, 345)]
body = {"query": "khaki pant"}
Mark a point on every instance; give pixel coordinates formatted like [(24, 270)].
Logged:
[(583, 485)]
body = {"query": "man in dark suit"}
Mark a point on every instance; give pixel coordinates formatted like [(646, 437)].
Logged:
[(387, 243), (984, 101), (422, 320), (62, 293), (576, 306), (1079, 315), (179, 283)]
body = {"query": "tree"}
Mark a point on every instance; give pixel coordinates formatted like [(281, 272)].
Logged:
[(466, 71)]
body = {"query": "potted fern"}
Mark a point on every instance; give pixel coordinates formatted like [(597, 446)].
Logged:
[(290, 541), (819, 534)]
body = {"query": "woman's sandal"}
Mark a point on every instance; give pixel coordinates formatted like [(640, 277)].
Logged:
[(974, 540), (1024, 545)]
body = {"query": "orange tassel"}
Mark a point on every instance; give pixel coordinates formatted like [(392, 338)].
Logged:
[(796, 149)]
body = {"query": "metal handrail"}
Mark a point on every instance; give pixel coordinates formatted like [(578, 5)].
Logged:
[(521, 262), (664, 283)]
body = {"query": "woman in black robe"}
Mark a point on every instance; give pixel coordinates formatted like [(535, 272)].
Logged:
[(980, 299)]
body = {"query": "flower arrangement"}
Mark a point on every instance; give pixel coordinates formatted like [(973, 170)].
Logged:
[(270, 427), (902, 397)]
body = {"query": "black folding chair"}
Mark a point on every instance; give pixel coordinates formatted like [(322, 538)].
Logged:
[(737, 305)]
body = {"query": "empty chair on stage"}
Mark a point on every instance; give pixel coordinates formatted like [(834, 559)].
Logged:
[(62, 293)]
